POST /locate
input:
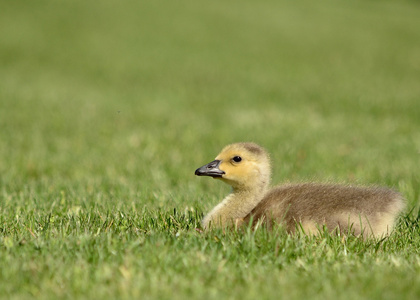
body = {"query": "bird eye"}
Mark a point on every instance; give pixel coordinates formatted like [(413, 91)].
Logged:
[(237, 159)]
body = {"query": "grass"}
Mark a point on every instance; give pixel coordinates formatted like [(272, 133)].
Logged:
[(106, 110)]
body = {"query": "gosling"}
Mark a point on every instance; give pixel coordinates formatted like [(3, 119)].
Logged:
[(309, 207)]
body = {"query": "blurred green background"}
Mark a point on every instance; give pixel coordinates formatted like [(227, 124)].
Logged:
[(128, 98)]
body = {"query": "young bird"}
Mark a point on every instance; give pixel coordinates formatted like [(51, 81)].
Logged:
[(366, 211)]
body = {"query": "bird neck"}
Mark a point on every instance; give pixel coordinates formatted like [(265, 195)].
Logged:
[(235, 206)]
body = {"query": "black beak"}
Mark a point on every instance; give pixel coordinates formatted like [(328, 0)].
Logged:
[(211, 169)]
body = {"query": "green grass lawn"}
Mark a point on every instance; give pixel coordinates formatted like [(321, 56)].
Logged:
[(108, 107)]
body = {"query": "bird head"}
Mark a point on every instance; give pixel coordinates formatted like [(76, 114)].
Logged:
[(241, 165)]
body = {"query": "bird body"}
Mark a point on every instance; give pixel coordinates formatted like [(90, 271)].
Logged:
[(367, 211)]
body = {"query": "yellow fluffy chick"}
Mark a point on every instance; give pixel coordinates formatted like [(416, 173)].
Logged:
[(367, 211)]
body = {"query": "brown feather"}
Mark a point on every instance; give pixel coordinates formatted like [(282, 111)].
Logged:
[(360, 209)]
